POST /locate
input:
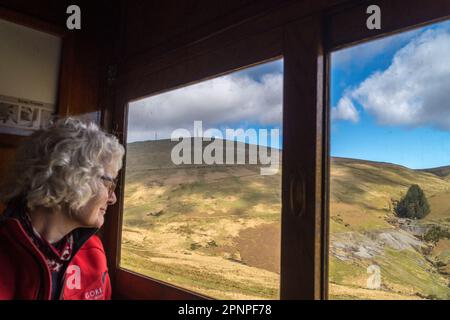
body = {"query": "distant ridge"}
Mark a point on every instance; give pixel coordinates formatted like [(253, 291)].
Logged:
[(381, 163), (156, 154), (438, 171)]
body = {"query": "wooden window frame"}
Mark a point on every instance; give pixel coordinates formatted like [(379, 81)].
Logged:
[(304, 34), (346, 27)]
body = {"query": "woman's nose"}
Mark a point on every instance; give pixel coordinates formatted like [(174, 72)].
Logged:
[(112, 198)]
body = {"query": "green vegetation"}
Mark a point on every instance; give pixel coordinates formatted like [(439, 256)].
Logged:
[(216, 229), (365, 229), (414, 205), (196, 279), (411, 272), (435, 233)]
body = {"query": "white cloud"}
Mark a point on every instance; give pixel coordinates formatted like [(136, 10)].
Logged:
[(359, 55), (415, 89), (219, 102), (345, 110)]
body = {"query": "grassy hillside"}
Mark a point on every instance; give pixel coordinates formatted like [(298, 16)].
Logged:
[(212, 229), (365, 231), (443, 171), (216, 229)]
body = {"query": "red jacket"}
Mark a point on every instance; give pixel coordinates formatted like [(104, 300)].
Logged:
[(24, 273)]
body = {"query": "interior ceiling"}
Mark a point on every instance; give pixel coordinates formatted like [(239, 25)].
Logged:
[(151, 23)]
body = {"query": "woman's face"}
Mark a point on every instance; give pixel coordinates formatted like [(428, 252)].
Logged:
[(93, 213)]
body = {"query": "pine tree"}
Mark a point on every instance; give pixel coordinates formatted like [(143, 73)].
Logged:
[(414, 205)]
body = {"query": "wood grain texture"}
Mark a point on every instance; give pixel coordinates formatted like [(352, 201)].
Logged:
[(142, 288), (347, 25), (301, 257), (158, 46)]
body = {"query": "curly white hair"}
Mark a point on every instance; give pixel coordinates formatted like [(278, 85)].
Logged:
[(59, 166)]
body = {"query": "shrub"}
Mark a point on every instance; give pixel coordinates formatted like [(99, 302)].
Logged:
[(414, 204), (435, 233)]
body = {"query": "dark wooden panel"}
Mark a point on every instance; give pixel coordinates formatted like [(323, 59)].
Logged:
[(8, 153), (301, 242), (86, 56), (253, 41), (260, 48), (80, 78), (326, 175), (347, 26), (50, 11), (31, 22), (177, 51), (152, 23), (151, 289)]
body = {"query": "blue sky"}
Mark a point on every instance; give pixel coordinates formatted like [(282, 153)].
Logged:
[(250, 98), (390, 99)]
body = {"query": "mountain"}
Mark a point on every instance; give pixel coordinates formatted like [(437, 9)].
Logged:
[(216, 229), (149, 155), (443, 171)]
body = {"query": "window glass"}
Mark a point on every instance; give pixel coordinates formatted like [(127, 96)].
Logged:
[(390, 167), (202, 195)]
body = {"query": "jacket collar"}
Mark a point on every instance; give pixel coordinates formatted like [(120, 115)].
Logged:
[(17, 206)]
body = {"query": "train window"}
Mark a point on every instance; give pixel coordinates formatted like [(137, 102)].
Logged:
[(390, 166), (202, 192)]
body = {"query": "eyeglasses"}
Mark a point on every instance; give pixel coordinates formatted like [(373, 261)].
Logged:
[(110, 184)]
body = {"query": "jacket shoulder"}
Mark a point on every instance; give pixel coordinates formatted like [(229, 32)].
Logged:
[(92, 254), (23, 269), (94, 242), (7, 283), (90, 264)]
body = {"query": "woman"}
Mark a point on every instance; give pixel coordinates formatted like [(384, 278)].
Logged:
[(64, 181)]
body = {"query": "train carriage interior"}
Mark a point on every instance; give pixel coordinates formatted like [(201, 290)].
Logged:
[(274, 149)]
